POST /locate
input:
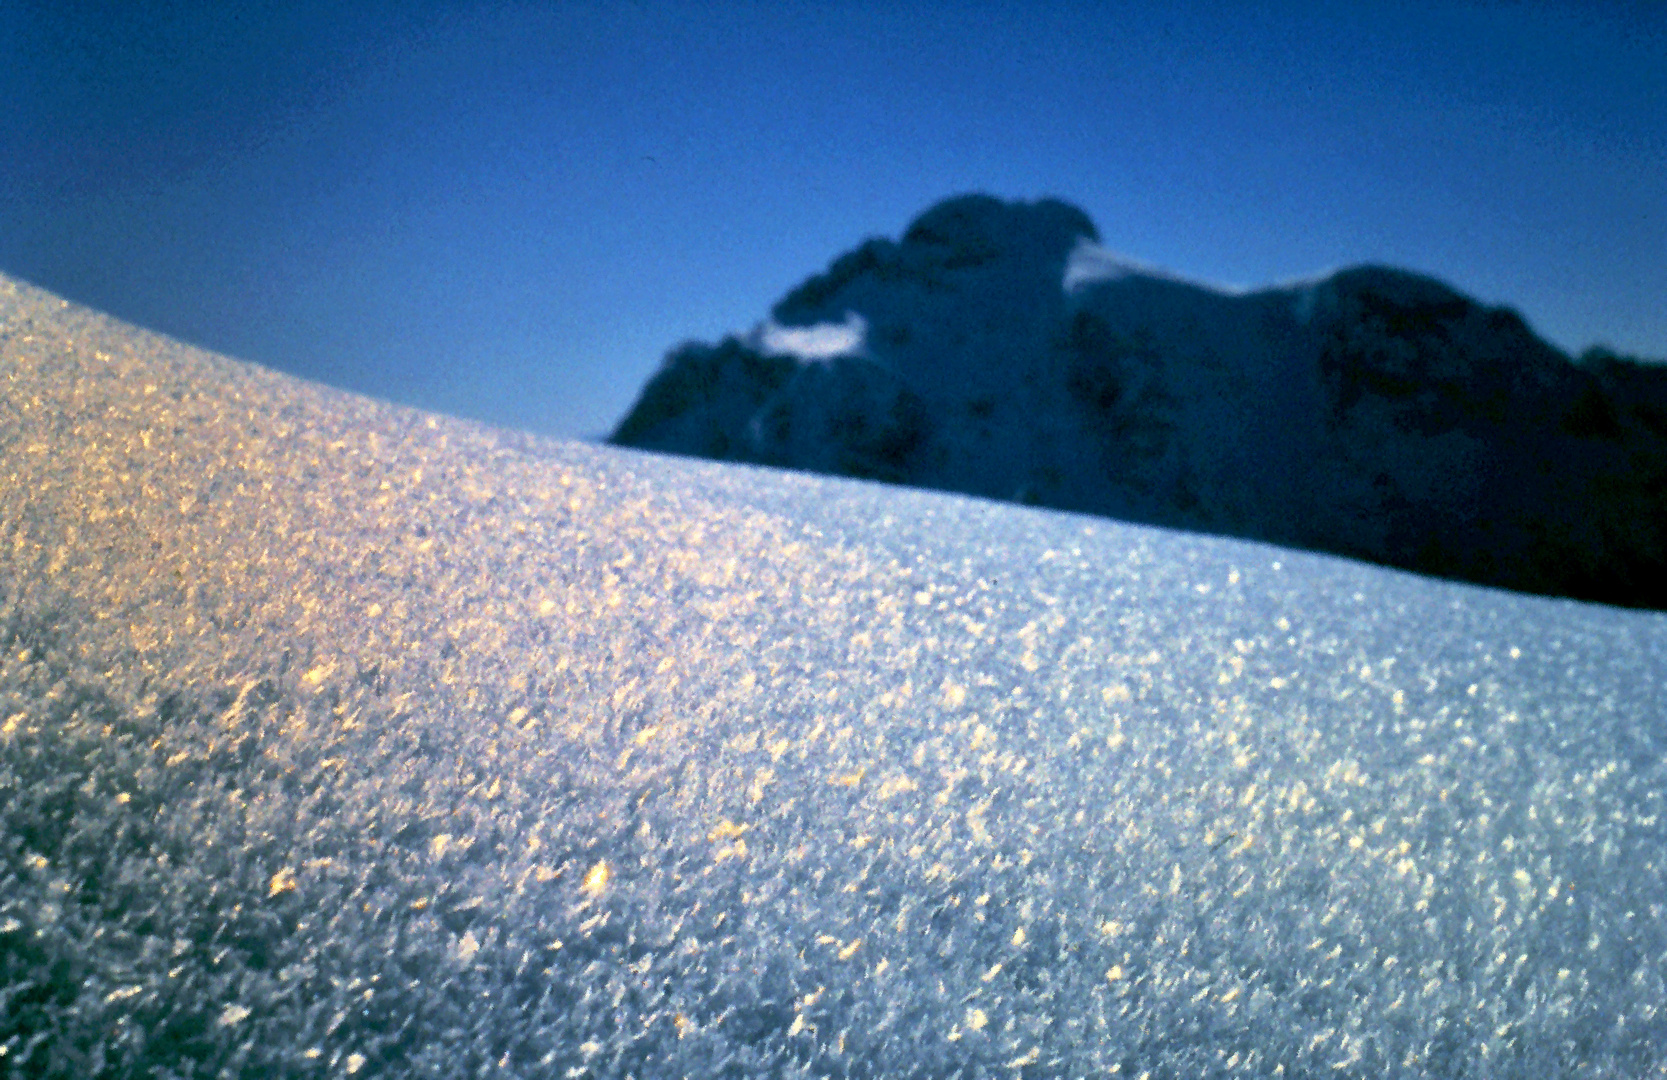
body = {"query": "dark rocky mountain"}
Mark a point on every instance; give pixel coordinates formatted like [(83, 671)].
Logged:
[(999, 350)]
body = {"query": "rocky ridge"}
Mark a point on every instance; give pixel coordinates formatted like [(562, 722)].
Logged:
[(998, 349)]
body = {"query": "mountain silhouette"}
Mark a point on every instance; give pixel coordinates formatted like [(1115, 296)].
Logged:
[(998, 349)]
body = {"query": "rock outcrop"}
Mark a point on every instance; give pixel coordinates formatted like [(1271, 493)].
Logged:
[(999, 350)]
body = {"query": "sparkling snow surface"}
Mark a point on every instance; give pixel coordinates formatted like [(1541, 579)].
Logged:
[(341, 740)]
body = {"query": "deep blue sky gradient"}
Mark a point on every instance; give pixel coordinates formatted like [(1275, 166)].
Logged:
[(512, 211)]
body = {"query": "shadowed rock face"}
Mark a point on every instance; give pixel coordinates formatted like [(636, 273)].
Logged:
[(1374, 413)]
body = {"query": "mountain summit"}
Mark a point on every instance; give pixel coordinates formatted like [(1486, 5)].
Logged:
[(998, 349)]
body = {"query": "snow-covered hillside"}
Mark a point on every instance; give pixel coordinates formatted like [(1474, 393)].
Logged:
[(340, 740), (999, 350)]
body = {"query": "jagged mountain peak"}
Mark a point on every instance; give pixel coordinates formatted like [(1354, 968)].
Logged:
[(985, 221), (969, 243), (999, 349)]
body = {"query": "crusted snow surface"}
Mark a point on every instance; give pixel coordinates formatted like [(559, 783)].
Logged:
[(337, 739)]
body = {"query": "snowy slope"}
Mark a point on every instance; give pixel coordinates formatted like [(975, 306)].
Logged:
[(999, 350), (341, 740)]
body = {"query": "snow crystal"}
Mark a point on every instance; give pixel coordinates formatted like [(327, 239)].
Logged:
[(452, 752)]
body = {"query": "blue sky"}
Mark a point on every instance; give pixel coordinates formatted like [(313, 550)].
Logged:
[(511, 211)]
